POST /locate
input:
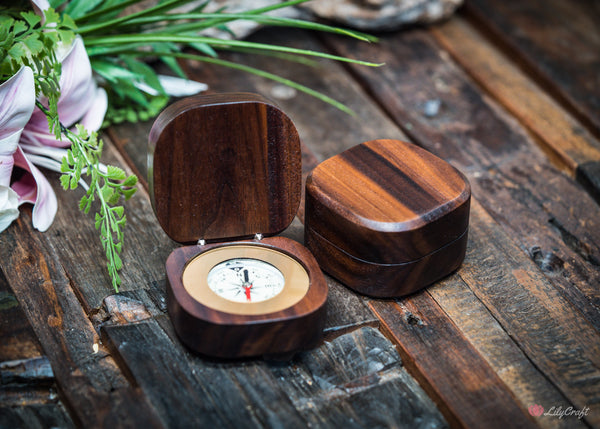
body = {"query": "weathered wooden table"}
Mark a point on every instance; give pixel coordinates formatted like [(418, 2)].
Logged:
[(518, 90)]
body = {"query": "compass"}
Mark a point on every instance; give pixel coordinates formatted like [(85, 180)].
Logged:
[(245, 280), (225, 176)]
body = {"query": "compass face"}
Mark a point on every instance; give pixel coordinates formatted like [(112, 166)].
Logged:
[(245, 280)]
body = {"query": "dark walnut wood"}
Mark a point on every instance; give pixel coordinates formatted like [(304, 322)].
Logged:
[(224, 166), (387, 217), (225, 335)]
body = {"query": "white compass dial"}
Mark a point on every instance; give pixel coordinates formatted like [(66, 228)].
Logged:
[(245, 280)]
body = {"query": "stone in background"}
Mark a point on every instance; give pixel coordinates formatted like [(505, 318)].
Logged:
[(368, 15)]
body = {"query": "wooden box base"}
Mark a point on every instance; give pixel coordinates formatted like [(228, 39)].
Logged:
[(223, 335), (386, 280)]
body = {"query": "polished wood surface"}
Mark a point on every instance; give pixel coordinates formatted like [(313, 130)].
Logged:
[(387, 218), (224, 166), (220, 334), (387, 202)]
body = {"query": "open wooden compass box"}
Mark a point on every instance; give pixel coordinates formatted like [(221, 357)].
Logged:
[(387, 218), (223, 169)]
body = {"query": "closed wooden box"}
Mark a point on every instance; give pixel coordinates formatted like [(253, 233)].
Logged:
[(387, 218)]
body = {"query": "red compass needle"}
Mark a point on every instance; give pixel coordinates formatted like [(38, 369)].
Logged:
[(247, 290)]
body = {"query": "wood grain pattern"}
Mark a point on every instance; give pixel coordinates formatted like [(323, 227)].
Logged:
[(223, 167), (504, 356), (508, 173), (557, 41), (85, 379), (17, 339), (387, 218), (569, 144), (336, 384), (537, 231), (451, 373), (387, 202), (219, 334)]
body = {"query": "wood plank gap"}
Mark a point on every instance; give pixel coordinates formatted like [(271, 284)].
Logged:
[(528, 66), (556, 130), (84, 378), (467, 391), (329, 334), (481, 328)]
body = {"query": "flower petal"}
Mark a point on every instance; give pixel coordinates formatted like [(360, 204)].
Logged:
[(93, 118), (178, 87), (9, 202), (33, 187), (17, 100), (79, 94)]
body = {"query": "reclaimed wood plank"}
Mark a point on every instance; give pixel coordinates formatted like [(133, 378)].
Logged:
[(27, 385), (553, 335), (17, 339), (497, 156), (469, 394), (557, 131), (357, 380), (504, 356), (557, 41), (335, 384), (535, 386), (85, 379), (39, 416)]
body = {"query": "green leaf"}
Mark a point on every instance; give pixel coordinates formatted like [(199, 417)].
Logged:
[(52, 18), (74, 182), (130, 181), (31, 18), (77, 9), (128, 193), (68, 22), (17, 51), (33, 44), (118, 263), (65, 180), (204, 48), (56, 3), (106, 192), (64, 166), (118, 211), (145, 72), (115, 173), (19, 27), (114, 198), (83, 202)]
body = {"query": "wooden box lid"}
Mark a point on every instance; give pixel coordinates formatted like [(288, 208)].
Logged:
[(387, 202), (223, 167)]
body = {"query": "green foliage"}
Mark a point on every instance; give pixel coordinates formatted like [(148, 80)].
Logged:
[(24, 41), (115, 38), (106, 187)]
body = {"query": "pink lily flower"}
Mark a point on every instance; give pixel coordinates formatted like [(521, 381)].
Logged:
[(81, 100), (17, 100), (25, 138)]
